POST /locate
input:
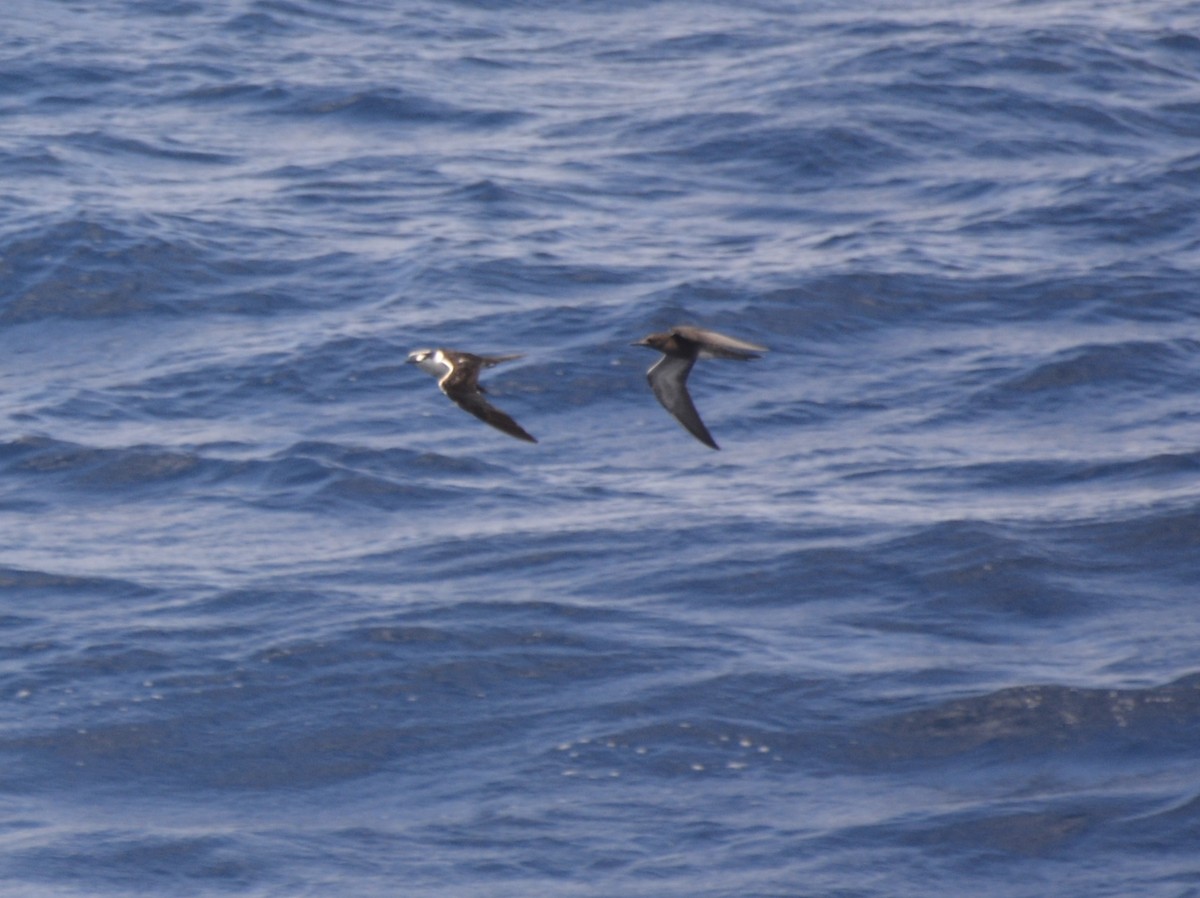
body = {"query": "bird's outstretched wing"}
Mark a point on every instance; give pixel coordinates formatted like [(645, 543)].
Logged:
[(462, 385), (472, 401), (668, 379)]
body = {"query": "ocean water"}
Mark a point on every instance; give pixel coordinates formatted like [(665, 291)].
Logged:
[(277, 619)]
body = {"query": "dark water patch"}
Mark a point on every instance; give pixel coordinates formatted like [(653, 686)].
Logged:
[(126, 471), (1182, 171), (400, 695), (511, 658), (259, 25), (114, 861), (363, 491), (542, 275), (286, 15), (1091, 209), (75, 679), (30, 162), (774, 574), (380, 170), (218, 736), (518, 200), (838, 307), (46, 586), (25, 640), (1022, 62), (325, 477), (218, 390), (250, 602), (1178, 821), (1181, 43), (1126, 293), (1080, 127), (386, 107), (251, 94), (439, 464), (297, 478), (55, 81), (1028, 829), (731, 698), (1138, 369), (86, 270), (1158, 545), (1037, 722), (344, 193), (197, 387), (675, 128), (956, 572), (1181, 118), (390, 461), (773, 154), (122, 660), (135, 152), (1031, 475), (481, 554), (494, 197), (720, 40)]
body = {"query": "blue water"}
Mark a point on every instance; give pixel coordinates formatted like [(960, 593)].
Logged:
[(277, 619)]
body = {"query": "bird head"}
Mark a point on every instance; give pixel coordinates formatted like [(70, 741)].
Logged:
[(653, 341), (429, 361)]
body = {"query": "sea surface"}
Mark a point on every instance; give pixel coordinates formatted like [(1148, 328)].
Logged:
[(278, 619)]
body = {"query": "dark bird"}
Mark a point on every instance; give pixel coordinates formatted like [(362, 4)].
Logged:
[(681, 346), (458, 377)]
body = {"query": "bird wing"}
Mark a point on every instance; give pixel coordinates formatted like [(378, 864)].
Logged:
[(668, 379), (489, 360), (471, 400), (718, 346)]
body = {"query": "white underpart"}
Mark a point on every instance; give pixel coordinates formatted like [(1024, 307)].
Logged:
[(431, 361), (446, 368)]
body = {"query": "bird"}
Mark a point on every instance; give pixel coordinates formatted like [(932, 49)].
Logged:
[(681, 346), (458, 377)]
